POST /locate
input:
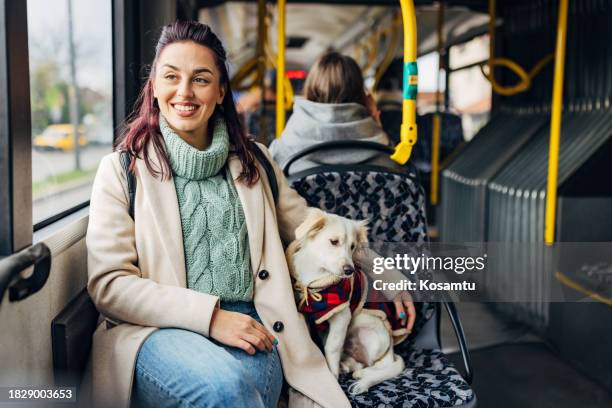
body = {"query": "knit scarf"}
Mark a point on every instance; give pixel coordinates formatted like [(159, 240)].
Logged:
[(215, 236)]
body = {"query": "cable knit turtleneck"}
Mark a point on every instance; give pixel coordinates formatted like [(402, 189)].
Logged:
[(215, 236)]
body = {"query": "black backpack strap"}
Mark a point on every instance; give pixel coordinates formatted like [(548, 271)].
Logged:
[(265, 163), (126, 161)]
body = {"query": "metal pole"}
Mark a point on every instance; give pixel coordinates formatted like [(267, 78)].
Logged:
[(435, 136), (73, 91), (555, 126), (262, 34), (280, 71)]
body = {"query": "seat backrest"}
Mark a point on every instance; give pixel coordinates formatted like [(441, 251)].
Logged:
[(393, 203), (451, 136), (71, 335)]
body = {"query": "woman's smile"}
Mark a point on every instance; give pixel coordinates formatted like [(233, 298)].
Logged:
[(185, 109)]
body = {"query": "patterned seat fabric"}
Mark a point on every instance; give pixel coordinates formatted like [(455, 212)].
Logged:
[(429, 380), (394, 203)]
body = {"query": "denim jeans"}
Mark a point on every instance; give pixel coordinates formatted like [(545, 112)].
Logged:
[(180, 368)]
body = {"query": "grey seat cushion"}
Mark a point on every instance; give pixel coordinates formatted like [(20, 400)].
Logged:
[(429, 380)]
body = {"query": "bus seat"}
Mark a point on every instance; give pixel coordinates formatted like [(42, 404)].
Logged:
[(394, 204), (71, 336)]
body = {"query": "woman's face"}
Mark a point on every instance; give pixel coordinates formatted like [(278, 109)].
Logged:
[(187, 87)]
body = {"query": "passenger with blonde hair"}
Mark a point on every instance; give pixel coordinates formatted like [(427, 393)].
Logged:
[(335, 106)]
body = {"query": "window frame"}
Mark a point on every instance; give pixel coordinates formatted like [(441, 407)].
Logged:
[(15, 129)]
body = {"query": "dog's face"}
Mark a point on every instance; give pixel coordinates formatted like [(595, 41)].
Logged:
[(326, 244)]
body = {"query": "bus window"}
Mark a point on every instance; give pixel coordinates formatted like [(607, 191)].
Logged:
[(70, 58), (470, 92)]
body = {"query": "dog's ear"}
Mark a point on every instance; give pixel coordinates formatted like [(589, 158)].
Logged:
[(314, 222), (362, 232)]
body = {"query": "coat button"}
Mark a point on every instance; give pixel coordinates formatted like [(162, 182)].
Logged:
[(278, 327), (263, 274)]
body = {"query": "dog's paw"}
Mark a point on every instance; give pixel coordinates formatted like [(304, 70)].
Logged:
[(358, 387), (357, 374), (348, 364)]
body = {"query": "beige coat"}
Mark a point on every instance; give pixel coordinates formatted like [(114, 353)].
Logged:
[(137, 280)]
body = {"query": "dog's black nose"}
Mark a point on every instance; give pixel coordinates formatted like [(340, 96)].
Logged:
[(348, 270)]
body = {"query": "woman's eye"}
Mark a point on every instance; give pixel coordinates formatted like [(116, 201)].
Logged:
[(201, 80), (334, 242), (170, 77)]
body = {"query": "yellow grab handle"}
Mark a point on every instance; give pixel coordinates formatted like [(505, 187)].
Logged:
[(525, 77), (408, 130)]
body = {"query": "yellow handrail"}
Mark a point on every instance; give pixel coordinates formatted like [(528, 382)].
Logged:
[(525, 77), (371, 47), (555, 126), (408, 130), (245, 70), (388, 58), (280, 70), (436, 129), (289, 93)]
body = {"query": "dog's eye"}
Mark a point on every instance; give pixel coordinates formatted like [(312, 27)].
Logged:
[(352, 247), (334, 242)]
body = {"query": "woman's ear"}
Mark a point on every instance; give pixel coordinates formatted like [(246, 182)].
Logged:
[(153, 88), (372, 108), (314, 222), (222, 90)]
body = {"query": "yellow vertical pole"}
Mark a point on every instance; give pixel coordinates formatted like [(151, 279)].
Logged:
[(435, 159), (555, 126), (408, 130), (436, 129), (280, 70), (262, 34)]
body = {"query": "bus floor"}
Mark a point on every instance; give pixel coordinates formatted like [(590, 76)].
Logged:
[(514, 368)]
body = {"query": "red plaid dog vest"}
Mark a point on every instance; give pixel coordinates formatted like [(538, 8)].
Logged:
[(319, 304)]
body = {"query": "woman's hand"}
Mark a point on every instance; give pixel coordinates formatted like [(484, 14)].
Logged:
[(405, 309), (240, 330)]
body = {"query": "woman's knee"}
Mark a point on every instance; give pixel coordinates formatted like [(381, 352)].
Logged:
[(231, 386)]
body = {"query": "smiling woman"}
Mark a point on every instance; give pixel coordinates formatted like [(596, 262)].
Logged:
[(187, 87), (189, 274)]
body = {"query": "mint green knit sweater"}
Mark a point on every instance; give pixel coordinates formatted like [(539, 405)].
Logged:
[(215, 236)]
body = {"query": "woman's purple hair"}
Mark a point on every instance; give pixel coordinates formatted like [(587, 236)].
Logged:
[(142, 125)]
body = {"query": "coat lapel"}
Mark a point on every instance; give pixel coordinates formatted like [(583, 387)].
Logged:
[(252, 199), (163, 204)]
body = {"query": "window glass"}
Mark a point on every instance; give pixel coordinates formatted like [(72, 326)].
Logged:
[(70, 50), (470, 91)]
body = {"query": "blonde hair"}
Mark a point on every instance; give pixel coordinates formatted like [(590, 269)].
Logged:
[(335, 78)]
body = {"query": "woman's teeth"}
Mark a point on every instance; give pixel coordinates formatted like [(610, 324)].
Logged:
[(184, 108)]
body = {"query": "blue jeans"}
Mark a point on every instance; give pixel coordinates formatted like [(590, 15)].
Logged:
[(180, 368)]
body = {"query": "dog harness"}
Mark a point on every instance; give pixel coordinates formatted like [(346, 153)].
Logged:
[(322, 299)]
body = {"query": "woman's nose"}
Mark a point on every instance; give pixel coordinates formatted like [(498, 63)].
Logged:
[(185, 90)]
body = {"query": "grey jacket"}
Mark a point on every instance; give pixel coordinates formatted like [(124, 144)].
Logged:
[(312, 123)]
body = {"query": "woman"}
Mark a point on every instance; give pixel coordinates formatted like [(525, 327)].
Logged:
[(194, 290), (335, 107)]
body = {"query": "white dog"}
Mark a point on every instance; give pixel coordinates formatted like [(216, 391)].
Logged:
[(357, 335)]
